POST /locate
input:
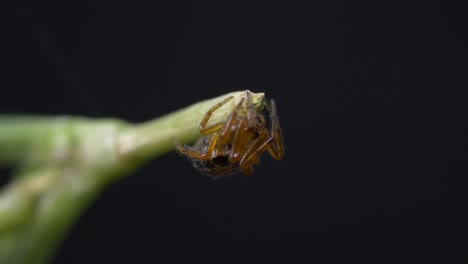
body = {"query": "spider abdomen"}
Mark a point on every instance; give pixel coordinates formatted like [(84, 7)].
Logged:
[(217, 166)]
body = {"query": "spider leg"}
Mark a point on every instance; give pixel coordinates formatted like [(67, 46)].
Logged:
[(262, 120), (256, 148), (239, 141), (253, 159), (249, 135), (230, 123), (276, 149), (191, 152), (247, 169), (206, 130), (245, 133), (209, 152)]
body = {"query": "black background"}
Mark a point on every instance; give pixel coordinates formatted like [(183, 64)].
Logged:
[(371, 97)]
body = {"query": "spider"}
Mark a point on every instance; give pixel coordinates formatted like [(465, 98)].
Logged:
[(236, 143)]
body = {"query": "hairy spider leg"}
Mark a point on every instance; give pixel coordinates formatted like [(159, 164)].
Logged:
[(190, 152), (247, 169), (207, 130), (276, 149), (245, 133), (253, 158), (208, 154), (257, 147), (252, 134), (239, 140), (230, 123), (262, 120)]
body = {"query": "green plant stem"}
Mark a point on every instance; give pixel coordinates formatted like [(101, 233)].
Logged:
[(65, 162), (17, 134)]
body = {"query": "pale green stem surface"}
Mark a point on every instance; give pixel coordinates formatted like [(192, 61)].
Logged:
[(63, 163)]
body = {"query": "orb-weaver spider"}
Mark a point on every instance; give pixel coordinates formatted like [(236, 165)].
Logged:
[(237, 143)]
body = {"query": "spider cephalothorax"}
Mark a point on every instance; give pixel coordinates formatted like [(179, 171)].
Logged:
[(236, 143)]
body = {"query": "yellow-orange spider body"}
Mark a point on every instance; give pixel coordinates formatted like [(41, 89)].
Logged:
[(237, 143)]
